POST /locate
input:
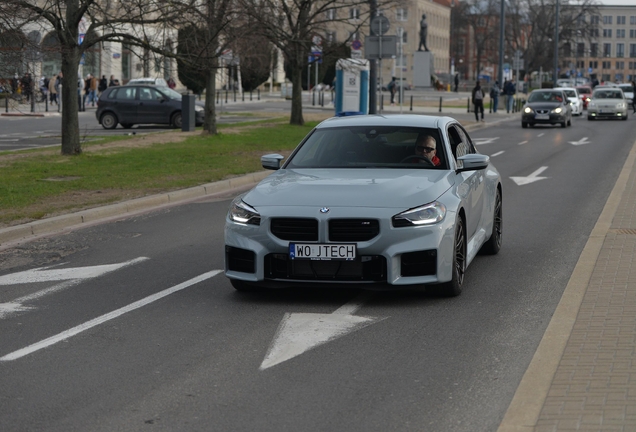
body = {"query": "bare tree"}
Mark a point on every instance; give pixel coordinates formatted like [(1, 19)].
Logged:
[(534, 21), (482, 18), (136, 22), (292, 25), (214, 25)]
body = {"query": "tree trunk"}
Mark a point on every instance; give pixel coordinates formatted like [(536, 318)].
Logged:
[(297, 94), (209, 125), (70, 124)]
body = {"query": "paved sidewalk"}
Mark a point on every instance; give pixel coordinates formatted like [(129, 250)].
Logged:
[(583, 374)]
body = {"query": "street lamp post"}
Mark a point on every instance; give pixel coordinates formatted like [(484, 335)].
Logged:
[(556, 44), (502, 28)]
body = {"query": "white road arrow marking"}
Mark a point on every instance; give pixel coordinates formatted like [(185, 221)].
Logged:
[(531, 178), (70, 276), (107, 317), (482, 141), (580, 142), (300, 332)]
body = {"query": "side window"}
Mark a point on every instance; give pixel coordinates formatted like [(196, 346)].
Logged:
[(145, 93), (126, 93), (469, 147), (459, 141)]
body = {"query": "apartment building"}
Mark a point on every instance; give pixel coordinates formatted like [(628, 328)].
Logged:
[(605, 45)]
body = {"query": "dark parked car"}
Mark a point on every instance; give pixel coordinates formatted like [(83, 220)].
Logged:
[(547, 106), (141, 104)]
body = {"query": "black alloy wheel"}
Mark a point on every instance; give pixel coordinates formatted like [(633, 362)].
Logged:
[(453, 288), (493, 244)]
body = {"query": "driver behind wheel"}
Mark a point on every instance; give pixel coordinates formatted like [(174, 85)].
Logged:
[(426, 146)]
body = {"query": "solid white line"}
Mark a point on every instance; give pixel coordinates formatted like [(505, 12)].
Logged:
[(522, 142), (107, 317), (497, 154), (541, 134)]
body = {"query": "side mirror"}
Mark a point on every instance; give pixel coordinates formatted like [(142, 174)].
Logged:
[(271, 161), (472, 162)]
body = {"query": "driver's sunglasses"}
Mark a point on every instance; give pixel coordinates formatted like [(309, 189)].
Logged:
[(425, 149)]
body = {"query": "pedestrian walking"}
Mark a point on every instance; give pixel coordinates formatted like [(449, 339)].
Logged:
[(392, 86), (53, 90), (93, 90), (494, 96), (478, 101), (171, 83), (103, 85), (456, 82), (509, 90), (113, 82), (27, 86)]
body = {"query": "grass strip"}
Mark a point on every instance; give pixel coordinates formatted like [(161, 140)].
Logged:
[(37, 184)]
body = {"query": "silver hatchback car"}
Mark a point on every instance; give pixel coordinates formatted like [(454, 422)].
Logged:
[(607, 102)]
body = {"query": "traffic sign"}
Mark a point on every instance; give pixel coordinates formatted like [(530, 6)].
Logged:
[(356, 45), (380, 25)]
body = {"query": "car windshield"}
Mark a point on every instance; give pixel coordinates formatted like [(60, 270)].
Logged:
[(545, 97), (170, 93), (370, 147), (584, 90), (608, 94), (570, 93)]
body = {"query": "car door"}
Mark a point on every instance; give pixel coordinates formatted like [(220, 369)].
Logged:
[(470, 183), (125, 105), (153, 106)]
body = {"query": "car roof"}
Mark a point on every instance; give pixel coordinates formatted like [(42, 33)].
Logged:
[(380, 120), (566, 88)]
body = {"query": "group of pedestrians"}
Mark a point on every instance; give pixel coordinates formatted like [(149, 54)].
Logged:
[(508, 92)]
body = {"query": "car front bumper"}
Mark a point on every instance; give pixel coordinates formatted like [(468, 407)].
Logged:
[(393, 258), (607, 113), (553, 118)]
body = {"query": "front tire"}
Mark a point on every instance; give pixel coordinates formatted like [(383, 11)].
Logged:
[(564, 124), (524, 125), (453, 288), (109, 121), (590, 118), (493, 245)]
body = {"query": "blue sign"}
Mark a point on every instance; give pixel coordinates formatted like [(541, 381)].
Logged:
[(80, 38), (356, 44), (589, 70)]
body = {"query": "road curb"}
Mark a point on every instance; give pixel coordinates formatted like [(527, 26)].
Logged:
[(41, 228)]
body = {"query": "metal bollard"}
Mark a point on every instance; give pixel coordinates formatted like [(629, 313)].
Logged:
[(381, 101), (490, 107), (259, 94), (225, 96), (234, 95), (217, 96), (243, 96), (46, 104), (313, 98), (6, 103), (467, 105), (440, 104), (250, 95), (32, 103)]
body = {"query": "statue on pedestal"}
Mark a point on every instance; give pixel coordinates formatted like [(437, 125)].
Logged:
[(423, 33)]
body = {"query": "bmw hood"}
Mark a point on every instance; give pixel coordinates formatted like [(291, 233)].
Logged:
[(389, 188)]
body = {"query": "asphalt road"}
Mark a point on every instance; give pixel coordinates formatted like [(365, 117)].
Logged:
[(193, 359)]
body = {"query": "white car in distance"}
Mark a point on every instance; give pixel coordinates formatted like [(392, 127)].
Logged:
[(575, 100)]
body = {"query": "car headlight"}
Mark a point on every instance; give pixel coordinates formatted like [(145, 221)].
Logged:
[(621, 105), (199, 108), (557, 110), (428, 214), (527, 110), (241, 212), (591, 104)]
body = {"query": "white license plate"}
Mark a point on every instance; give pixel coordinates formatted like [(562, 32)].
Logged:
[(326, 252), (606, 111), (542, 116)]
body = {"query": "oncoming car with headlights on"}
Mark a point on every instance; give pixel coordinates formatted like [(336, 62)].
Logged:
[(379, 202), (547, 106)]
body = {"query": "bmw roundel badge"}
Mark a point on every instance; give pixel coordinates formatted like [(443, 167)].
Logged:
[(324, 210)]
